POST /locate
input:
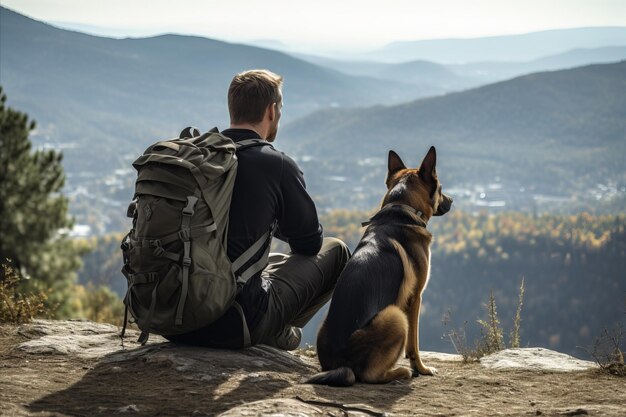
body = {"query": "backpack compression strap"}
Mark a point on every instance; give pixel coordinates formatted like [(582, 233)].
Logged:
[(186, 237), (245, 257)]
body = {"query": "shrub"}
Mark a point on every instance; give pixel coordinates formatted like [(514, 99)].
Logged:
[(17, 307), (606, 349), (492, 334)]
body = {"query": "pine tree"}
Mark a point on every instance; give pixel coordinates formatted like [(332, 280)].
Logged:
[(33, 212)]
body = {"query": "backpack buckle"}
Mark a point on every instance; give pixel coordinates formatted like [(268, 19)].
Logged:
[(191, 203), (125, 245), (184, 234), (186, 262)]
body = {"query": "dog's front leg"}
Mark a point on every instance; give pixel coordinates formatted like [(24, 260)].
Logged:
[(413, 344)]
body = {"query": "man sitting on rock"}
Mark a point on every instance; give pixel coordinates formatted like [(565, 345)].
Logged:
[(269, 189)]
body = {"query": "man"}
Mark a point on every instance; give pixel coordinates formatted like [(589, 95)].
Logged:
[(269, 189)]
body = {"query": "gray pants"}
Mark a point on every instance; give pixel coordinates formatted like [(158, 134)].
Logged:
[(298, 287)]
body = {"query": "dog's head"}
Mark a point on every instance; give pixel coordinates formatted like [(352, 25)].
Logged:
[(418, 188)]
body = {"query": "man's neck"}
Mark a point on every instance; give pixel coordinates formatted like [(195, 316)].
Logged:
[(246, 126)]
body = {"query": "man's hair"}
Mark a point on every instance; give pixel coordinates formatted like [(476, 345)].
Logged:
[(250, 93)]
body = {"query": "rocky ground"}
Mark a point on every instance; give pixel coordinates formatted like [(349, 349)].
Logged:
[(82, 369)]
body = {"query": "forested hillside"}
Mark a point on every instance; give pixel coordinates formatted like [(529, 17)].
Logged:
[(573, 268), (558, 134)]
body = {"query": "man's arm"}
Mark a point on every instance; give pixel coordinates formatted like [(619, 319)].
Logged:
[(298, 223)]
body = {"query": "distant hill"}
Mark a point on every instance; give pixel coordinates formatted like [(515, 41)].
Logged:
[(96, 95), (439, 78), (429, 76), (484, 72), (580, 56), (554, 132), (522, 47)]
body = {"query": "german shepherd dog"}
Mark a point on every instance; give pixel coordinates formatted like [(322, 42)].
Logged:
[(374, 313)]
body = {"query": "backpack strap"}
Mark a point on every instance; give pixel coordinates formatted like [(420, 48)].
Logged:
[(189, 132), (245, 257), (185, 235), (248, 143), (251, 271), (246, 332), (255, 267), (143, 337)]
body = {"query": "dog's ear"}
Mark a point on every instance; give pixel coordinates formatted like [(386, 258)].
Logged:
[(394, 164), (428, 169)]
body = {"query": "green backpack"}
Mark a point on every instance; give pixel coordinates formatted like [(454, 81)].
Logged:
[(179, 275)]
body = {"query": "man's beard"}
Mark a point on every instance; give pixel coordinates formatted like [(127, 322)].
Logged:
[(271, 136)]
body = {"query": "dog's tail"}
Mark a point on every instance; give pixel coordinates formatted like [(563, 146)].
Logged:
[(340, 377)]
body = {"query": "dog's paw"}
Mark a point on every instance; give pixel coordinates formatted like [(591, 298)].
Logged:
[(426, 370)]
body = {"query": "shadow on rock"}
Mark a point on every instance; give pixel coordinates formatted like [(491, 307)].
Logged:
[(169, 379), (380, 397)]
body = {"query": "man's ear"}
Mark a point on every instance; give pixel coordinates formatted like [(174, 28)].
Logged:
[(272, 111), (428, 169), (394, 164)]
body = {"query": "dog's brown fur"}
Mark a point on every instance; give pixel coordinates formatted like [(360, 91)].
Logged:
[(374, 313)]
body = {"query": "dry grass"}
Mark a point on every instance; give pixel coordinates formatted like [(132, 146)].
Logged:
[(606, 349), (16, 307), (492, 334)]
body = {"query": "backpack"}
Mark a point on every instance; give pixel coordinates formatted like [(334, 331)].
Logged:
[(178, 273)]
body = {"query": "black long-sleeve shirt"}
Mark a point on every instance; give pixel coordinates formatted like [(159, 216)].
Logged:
[(269, 187)]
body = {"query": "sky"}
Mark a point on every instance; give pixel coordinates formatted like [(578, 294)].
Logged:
[(322, 25)]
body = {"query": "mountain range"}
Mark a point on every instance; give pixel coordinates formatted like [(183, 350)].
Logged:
[(523, 47), (102, 100), (453, 77), (102, 94)]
